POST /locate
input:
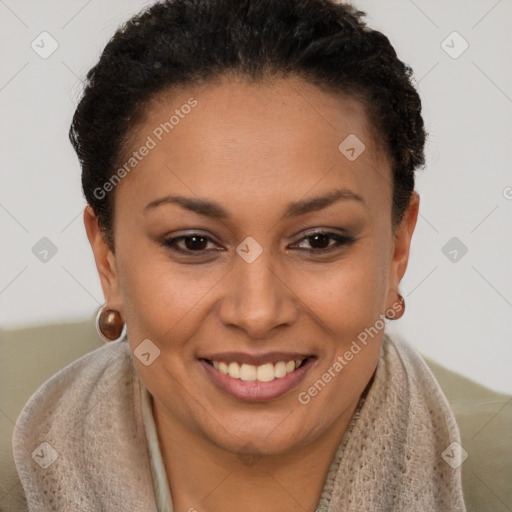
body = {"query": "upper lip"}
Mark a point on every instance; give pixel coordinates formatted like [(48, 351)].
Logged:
[(256, 359)]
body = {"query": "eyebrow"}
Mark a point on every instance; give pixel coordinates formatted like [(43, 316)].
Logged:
[(213, 209)]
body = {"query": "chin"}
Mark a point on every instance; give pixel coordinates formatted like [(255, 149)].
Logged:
[(259, 436)]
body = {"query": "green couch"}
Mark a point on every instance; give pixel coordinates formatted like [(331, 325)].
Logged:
[(30, 356)]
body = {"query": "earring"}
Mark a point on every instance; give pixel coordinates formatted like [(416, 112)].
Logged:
[(110, 325), (397, 309)]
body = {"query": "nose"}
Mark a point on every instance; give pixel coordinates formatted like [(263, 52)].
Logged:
[(258, 298)]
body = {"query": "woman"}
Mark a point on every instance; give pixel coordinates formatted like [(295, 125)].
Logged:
[(249, 172)]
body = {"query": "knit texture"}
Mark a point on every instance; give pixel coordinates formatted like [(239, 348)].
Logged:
[(80, 442), (161, 483)]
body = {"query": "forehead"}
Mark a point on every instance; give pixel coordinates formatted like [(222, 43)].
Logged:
[(235, 139)]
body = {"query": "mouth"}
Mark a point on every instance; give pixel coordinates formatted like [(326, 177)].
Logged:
[(262, 373), (263, 380)]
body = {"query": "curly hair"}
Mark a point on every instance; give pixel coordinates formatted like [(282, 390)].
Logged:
[(178, 42)]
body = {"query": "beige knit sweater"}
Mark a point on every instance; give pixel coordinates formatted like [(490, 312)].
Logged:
[(84, 441)]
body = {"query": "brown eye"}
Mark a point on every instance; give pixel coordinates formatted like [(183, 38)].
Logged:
[(324, 241), (194, 244), (319, 241)]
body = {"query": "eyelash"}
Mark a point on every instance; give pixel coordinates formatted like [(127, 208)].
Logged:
[(341, 241)]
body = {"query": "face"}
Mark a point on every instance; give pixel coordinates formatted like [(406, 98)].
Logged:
[(247, 242)]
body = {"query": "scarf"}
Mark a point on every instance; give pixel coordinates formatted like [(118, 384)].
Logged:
[(80, 441)]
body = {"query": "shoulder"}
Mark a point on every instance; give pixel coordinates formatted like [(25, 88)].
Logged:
[(483, 418), (69, 390), (85, 420)]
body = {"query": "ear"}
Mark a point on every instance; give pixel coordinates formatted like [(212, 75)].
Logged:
[(401, 246), (105, 261)]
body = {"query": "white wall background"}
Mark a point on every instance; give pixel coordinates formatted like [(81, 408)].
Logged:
[(458, 313)]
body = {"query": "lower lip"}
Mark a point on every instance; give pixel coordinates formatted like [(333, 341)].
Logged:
[(255, 391)]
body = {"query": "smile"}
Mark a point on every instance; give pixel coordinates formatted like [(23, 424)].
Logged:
[(257, 382), (262, 373)]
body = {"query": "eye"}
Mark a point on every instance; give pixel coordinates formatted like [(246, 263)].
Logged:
[(325, 241), (196, 244), (193, 244)]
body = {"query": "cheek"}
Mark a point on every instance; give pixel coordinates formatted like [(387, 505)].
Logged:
[(161, 298), (348, 305), (349, 295)]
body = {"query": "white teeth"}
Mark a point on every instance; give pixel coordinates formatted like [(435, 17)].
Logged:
[(234, 370), (247, 372), (264, 373), (280, 369)]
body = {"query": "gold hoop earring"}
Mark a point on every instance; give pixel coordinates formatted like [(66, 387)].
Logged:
[(110, 325)]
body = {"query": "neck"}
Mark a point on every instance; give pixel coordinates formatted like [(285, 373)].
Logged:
[(204, 477)]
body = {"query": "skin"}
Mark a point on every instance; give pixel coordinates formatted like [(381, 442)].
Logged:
[(253, 149)]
